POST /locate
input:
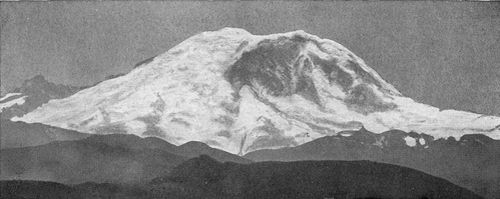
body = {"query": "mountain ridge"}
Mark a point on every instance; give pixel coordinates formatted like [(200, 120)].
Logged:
[(471, 161)]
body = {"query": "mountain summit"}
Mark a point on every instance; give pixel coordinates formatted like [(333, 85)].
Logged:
[(242, 92)]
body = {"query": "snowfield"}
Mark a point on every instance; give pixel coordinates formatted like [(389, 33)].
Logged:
[(241, 92)]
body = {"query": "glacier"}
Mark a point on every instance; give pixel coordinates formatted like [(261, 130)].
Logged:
[(241, 92)]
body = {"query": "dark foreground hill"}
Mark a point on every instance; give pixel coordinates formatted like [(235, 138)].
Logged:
[(472, 162), (36, 189), (81, 161), (204, 177), (21, 134), (101, 158), (17, 189)]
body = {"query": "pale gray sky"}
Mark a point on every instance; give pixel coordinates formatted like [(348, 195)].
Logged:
[(442, 53)]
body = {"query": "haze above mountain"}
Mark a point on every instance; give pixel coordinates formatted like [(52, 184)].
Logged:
[(241, 92)]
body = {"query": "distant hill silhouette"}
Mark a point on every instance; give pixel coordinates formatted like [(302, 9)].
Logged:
[(81, 161), (102, 158), (21, 134), (189, 149)]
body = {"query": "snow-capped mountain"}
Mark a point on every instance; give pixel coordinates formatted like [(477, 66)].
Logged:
[(31, 94), (242, 92)]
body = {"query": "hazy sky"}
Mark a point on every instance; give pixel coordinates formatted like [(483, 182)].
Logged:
[(442, 53)]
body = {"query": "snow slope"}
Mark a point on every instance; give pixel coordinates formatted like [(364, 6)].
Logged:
[(19, 101), (241, 92), (9, 95)]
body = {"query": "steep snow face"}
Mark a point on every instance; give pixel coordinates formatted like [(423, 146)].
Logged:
[(241, 92)]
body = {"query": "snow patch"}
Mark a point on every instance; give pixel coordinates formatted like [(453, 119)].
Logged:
[(345, 134), (18, 101), (410, 141), (9, 95), (421, 141)]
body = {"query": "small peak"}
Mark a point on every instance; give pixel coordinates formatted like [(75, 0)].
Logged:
[(233, 30), (413, 134), (195, 144), (303, 34), (362, 135), (38, 77), (300, 32), (476, 138), (395, 132), (226, 32), (451, 139), (363, 129), (37, 81)]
